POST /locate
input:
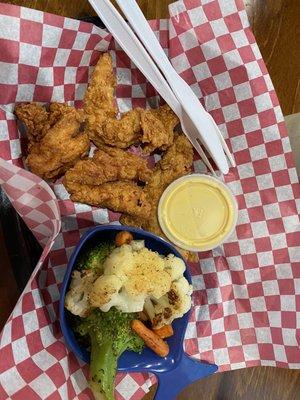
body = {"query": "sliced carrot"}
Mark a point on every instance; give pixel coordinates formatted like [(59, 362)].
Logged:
[(151, 339), (123, 237), (164, 332)]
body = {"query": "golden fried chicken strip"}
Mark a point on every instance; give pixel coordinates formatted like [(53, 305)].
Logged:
[(102, 123), (35, 118), (122, 132), (38, 120), (158, 128), (119, 196), (60, 148), (99, 102), (57, 111), (176, 162), (109, 164), (154, 190)]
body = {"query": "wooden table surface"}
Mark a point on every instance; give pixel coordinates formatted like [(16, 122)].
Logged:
[(277, 29)]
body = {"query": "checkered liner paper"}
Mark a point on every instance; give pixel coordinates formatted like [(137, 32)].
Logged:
[(246, 297)]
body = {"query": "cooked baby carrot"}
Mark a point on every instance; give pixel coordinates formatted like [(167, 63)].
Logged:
[(151, 339), (123, 237), (164, 332)]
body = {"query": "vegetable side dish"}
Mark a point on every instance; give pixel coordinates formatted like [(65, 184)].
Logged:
[(124, 296)]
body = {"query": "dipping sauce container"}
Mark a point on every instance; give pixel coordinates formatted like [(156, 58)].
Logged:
[(197, 212)]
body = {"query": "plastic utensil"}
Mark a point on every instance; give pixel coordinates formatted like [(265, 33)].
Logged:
[(132, 46), (173, 372), (209, 132)]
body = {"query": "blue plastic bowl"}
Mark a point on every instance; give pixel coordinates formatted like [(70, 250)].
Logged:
[(175, 371)]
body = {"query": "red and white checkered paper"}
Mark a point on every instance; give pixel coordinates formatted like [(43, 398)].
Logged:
[(247, 292)]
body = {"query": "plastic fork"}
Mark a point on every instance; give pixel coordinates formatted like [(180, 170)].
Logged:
[(201, 118), (127, 39)]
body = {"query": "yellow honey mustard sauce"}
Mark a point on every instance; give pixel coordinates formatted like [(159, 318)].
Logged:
[(197, 212)]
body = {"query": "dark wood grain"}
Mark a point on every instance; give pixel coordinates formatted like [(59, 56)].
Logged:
[(263, 383), (276, 25)]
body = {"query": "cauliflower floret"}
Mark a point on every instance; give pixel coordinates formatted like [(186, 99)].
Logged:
[(120, 262), (149, 276), (172, 305), (107, 292), (104, 289), (137, 245), (130, 276), (125, 302), (175, 266), (77, 298)]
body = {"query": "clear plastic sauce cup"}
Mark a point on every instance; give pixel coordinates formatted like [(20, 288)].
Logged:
[(197, 212)]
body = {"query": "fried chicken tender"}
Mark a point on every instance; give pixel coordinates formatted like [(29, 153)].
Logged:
[(38, 120), (119, 196), (158, 128), (99, 102), (35, 118), (60, 147), (58, 110), (122, 132), (109, 164), (176, 162), (100, 108)]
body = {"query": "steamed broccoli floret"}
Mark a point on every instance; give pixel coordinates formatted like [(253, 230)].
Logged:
[(94, 258), (110, 335)]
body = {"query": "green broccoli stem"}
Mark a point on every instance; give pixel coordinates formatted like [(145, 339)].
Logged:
[(103, 368), (110, 335)]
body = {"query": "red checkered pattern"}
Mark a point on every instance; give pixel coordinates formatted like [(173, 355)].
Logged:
[(33, 199), (247, 292)]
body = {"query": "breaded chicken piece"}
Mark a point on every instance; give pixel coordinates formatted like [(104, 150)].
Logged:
[(158, 128), (122, 132), (60, 148), (109, 164), (176, 162), (99, 101), (38, 120), (35, 118), (102, 123), (57, 111), (119, 196)]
